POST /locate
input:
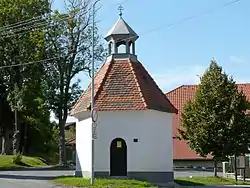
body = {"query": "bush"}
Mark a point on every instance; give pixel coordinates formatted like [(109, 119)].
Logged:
[(17, 159)]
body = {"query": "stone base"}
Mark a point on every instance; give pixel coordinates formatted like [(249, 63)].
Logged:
[(153, 177)]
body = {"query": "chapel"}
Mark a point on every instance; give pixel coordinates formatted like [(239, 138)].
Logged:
[(133, 134)]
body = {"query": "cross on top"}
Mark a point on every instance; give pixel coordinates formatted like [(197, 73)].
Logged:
[(120, 9)]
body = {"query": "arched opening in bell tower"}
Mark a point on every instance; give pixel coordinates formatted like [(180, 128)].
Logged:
[(122, 48)]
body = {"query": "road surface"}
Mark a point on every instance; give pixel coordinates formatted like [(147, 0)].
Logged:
[(30, 179), (41, 179)]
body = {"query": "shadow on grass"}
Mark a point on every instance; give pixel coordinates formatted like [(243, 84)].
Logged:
[(25, 177), (188, 183), (33, 176), (25, 167), (23, 164)]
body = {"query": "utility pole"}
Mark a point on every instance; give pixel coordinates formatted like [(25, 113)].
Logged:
[(92, 95)]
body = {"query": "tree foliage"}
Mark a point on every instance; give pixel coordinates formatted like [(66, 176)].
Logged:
[(215, 122), (21, 41), (59, 45), (69, 39), (20, 44)]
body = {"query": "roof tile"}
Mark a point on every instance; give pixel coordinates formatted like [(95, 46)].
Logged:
[(124, 85)]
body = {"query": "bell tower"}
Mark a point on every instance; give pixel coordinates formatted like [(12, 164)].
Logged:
[(121, 35)]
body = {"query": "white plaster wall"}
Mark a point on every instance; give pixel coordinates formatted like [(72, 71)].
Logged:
[(152, 153), (83, 145)]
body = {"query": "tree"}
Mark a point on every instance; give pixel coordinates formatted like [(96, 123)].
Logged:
[(35, 118), (21, 41), (215, 122), (70, 40), (6, 121)]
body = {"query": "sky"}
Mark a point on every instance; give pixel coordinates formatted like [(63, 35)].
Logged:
[(176, 52)]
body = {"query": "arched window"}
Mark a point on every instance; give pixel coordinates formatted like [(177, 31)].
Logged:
[(131, 47), (121, 47), (110, 48)]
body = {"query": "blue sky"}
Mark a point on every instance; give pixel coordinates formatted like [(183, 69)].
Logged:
[(176, 55)]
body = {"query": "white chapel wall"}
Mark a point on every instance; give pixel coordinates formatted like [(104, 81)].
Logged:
[(83, 145), (152, 152)]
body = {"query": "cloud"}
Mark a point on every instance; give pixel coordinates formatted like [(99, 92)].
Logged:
[(175, 77), (237, 59)]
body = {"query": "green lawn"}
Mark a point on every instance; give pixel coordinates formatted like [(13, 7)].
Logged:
[(207, 181), (102, 183), (6, 162)]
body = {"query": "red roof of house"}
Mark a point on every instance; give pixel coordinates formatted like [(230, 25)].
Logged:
[(124, 85), (178, 97)]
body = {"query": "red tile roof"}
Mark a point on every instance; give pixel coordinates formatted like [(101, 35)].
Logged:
[(178, 97), (124, 85)]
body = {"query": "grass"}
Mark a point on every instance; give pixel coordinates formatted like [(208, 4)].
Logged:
[(6, 162), (102, 183), (112, 183), (208, 181)]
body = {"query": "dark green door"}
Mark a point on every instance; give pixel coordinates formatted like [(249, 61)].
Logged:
[(118, 158)]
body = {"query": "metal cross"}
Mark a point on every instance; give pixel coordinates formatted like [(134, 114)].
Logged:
[(120, 9)]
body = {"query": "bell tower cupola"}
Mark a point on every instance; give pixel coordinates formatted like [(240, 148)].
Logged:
[(121, 39)]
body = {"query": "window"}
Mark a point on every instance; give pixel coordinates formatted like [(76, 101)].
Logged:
[(122, 49), (135, 139), (110, 48)]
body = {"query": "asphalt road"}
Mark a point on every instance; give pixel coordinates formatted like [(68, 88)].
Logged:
[(30, 179), (41, 179)]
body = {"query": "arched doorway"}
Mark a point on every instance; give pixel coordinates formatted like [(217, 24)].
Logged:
[(118, 157)]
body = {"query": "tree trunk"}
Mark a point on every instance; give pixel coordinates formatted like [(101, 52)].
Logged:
[(62, 152), (215, 168), (1, 124), (25, 137), (5, 143), (1, 135), (235, 168), (16, 136)]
